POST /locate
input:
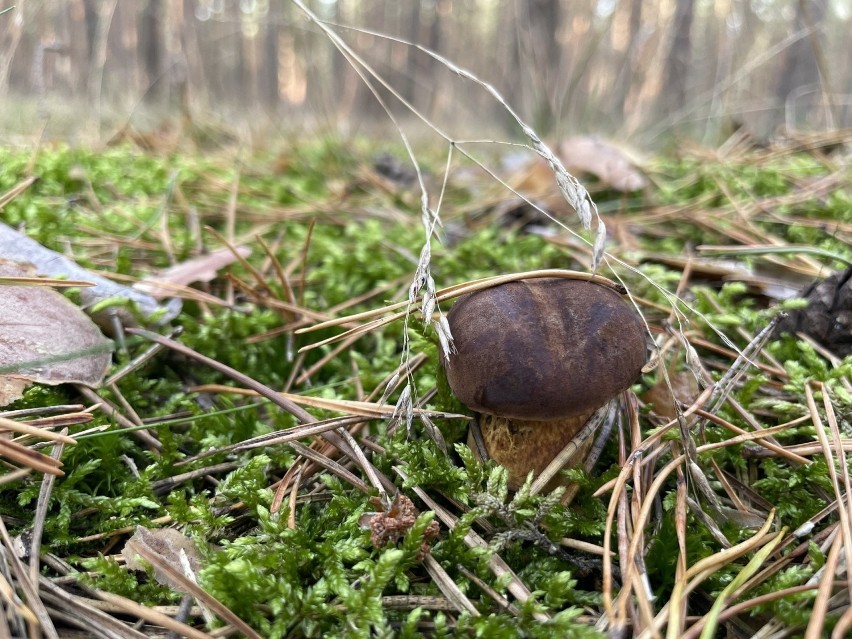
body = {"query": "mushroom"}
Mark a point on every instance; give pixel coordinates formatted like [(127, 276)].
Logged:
[(536, 358)]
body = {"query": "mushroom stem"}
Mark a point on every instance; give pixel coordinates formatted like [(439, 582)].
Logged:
[(524, 446), (577, 451)]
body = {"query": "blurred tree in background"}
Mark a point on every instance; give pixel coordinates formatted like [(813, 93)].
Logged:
[(634, 68)]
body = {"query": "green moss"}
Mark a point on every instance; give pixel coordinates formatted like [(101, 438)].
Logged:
[(324, 577)]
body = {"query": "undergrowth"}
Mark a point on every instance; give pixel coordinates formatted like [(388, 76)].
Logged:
[(339, 237)]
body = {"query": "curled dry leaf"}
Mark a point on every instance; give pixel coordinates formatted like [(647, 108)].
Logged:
[(20, 248), (685, 390), (591, 155), (46, 339), (198, 269), (163, 544)]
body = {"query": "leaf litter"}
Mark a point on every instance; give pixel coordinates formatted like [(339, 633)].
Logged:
[(45, 338), (734, 508)]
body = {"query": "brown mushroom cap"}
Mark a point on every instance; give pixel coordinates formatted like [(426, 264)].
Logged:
[(543, 349)]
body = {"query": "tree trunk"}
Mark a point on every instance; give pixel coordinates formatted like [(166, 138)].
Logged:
[(103, 17), (629, 71), (10, 37), (802, 72), (150, 45), (269, 64), (412, 20), (544, 22), (673, 93)]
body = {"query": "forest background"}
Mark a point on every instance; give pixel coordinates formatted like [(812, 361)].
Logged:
[(636, 69)]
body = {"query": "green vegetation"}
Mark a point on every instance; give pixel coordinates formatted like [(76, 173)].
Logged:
[(311, 568)]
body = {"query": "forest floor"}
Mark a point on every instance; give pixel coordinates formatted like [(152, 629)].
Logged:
[(234, 474)]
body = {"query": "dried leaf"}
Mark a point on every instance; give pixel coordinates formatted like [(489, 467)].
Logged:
[(199, 269), (685, 390), (45, 338), (166, 544), (20, 248), (608, 163)]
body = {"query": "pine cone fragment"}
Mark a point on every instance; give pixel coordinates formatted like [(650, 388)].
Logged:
[(828, 316)]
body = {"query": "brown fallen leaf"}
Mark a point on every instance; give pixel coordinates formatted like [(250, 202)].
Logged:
[(17, 247), (591, 155), (176, 561), (162, 544), (535, 182), (198, 269), (45, 338), (659, 395)]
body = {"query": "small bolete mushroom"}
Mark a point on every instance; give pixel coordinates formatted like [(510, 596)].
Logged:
[(536, 358)]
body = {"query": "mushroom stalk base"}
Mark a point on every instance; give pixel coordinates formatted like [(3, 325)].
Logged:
[(521, 446)]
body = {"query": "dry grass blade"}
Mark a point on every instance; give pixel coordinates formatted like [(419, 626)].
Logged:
[(189, 586), (499, 599), (773, 249), (198, 269), (239, 253), (701, 570), (330, 465), (110, 409), (336, 439), (351, 407), (41, 513), (43, 410), (29, 590), (10, 425), (243, 379), (118, 532), (60, 421), (570, 188), (441, 295), (7, 280), (839, 456), (737, 609), (499, 567), (282, 436), (370, 471), (816, 624), (677, 601), (27, 457), (758, 436), (78, 611), (834, 457), (13, 603), (15, 475), (712, 618), (152, 616), (468, 287), (136, 362), (449, 587), (16, 190), (630, 554)]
